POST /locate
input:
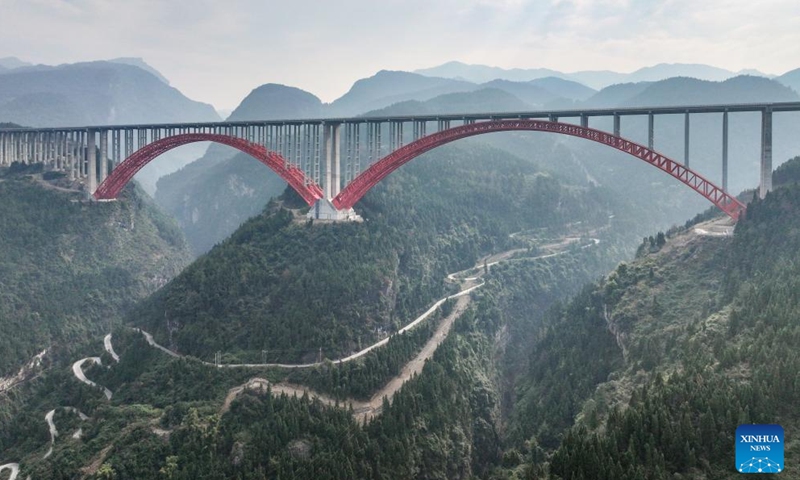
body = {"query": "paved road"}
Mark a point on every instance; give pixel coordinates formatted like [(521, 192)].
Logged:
[(77, 369), (365, 411), (149, 338), (14, 467), (110, 348), (52, 426)]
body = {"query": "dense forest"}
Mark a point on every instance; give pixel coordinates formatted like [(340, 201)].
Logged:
[(642, 374), (444, 423), (275, 288), (698, 334), (70, 268)]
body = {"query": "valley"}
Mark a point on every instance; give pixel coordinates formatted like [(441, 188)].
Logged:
[(512, 306)]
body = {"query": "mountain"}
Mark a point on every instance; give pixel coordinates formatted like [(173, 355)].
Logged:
[(10, 63), (533, 95), (564, 88), (373, 255), (790, 79), (695, 336), (483, 73), (593, 79), (139, 62), (669, 70), (688, 91), (705, 151), (71, 268), (95, 93), (249, 299), (388, 87), (212, 196), (273, 102), (101, 93), (482, 100)]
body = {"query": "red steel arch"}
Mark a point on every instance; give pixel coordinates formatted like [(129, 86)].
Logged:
[(294, 176), (353, 192)]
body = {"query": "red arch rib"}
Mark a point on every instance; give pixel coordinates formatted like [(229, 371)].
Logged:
[(110, 188), (383, 167)]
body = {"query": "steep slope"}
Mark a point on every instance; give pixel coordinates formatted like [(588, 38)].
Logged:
[(483, 100), (564, 88), (691, 340), (791, 79), (95, 93), (387, 282), (100, 93), (69, 268), (388, 87), (705, 152), (213, 195), (284, 286)]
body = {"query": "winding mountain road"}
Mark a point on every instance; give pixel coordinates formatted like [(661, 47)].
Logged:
[(110, 348), (14, 467), (54, 431), (364, 411), (77, 369)]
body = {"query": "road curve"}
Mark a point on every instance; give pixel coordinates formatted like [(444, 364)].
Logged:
[(14, 467), (77, 369), (52, 426), (110, 348), (149, 338), (364, 411)]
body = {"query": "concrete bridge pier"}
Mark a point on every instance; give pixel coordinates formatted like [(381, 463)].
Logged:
[(324, 209), (766, 153), (91, 156), (103, 156)]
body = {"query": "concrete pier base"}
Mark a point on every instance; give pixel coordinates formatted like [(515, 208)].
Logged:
[(324, 210)]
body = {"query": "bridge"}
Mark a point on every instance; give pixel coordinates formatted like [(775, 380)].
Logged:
[(333, 162)]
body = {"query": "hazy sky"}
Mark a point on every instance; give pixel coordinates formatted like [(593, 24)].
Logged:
[(218, 51)]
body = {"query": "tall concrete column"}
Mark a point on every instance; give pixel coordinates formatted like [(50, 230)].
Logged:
[(331, 135), (103, 155), (725, 151), (71, 155), (766, 153), (585, 121), (686, 140), (327, 140), (650, 130), (617, 126), (336, 177), (91, 154)]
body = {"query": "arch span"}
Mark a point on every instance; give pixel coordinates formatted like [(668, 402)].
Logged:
[(125, 171), (353, 192)]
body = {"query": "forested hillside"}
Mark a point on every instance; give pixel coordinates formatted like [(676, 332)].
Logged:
[(669, 354), (276, 284), (70, 268)]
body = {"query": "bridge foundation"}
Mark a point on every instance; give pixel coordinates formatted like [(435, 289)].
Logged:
[(323, 209)]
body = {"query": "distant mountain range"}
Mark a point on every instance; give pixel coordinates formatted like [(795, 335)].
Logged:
[(121, 91), (596, 79), (213, 195)]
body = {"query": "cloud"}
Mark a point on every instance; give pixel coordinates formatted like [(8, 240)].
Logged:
[(219, 51)]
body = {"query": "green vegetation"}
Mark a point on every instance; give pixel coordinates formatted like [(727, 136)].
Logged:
[(70, 268), (700, 342), (363, 377), (290, 288)]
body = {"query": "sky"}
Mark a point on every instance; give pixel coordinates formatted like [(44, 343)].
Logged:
[(218, 51)]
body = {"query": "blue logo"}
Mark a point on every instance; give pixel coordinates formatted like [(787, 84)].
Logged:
[(759, 449)]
